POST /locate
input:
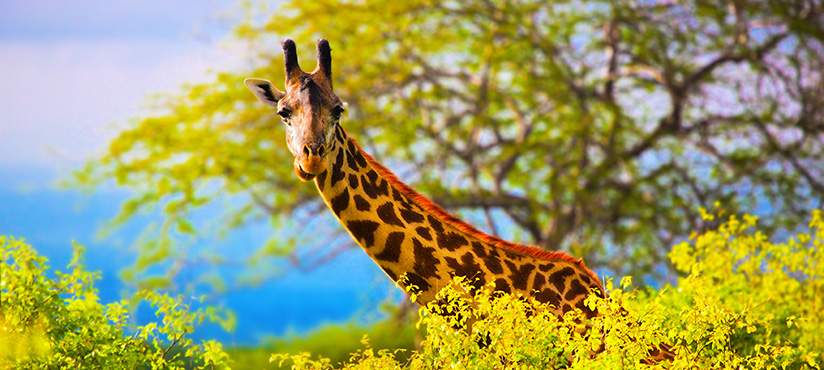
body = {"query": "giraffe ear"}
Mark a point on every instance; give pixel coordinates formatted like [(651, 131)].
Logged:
[(264, 91)]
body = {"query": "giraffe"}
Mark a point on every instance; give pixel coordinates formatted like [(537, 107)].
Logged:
[(420, 246)]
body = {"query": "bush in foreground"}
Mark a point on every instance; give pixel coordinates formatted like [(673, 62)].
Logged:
[(333, 341), (744, 303), (59, 323)]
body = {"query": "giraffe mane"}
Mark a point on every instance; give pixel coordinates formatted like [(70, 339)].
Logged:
[(428, 205)]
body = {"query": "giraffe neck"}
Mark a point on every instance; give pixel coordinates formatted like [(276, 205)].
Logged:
[(421, 247)]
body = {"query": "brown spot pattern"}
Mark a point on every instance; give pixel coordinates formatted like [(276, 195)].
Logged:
[(353, 181), (358, 156), (368, 188), (383, 187), (350, 160), (337, 173), (451, 241), (400, 198), (424, 233), (545, 267), (374, 187), (512, 256), (558, 278), (538, 282), (426, 264), (519, 275), (479, 249), (353, 150), (340, 135), (363, 230), (436, 225), (414, 280), (411, 216), (576, 289), (340, 202), (549, 296), (361, 204), (392, 250), (387, 214), (321, 179), (502, 285), (468, 269), (493, 262)]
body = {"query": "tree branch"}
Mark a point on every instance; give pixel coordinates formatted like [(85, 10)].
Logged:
[(758, 54), (173, 344)]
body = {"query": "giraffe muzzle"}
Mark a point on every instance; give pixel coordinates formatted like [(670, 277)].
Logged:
[(303, 175), (311, 161)]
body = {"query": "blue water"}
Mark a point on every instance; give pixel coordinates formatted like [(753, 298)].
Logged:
[(350, 287)]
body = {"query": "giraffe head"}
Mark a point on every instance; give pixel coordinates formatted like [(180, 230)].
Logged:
[(309, 108)]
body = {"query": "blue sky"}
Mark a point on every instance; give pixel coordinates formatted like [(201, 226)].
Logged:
[(72, 70)]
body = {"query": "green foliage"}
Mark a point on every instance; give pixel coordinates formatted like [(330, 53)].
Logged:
[(745, 303), (594, 126), (60, 323), (768, 295), (333, 342)]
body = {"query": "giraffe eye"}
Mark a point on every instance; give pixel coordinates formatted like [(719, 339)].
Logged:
[(336, 112), (285, 114)]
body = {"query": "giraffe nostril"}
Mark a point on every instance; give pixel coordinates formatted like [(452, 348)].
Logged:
[(321, 150), (306, 150)]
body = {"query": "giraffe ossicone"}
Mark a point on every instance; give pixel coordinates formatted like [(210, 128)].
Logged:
[(418, 244)]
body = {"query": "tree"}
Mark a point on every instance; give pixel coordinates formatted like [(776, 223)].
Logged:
[(595, 127)]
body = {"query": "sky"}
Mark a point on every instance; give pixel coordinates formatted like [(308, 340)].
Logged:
[(71, 71), (71, 74)]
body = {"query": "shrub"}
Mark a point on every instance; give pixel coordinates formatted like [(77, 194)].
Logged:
[(744, 303), (333, 341), (59, 323)]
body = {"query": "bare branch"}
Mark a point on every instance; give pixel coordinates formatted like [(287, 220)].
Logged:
[(757, 54), (503, 201)]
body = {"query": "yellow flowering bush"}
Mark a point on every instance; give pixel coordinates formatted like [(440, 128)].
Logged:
[(59, 323), (743, 303)]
